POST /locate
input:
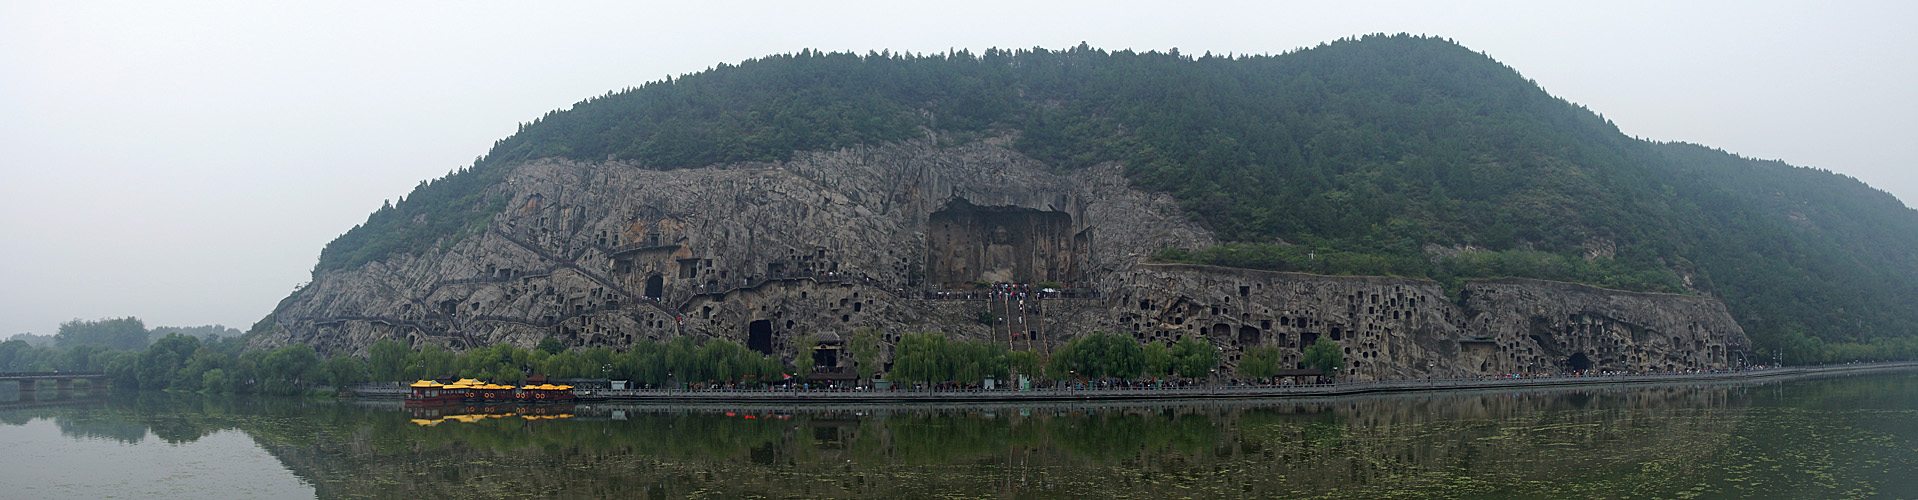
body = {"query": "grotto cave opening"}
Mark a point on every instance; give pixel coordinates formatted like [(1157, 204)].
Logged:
[(968, 243), (1578, 362), (655, 286), (759, 336)]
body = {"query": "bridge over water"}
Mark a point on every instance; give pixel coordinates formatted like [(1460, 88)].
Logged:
[(62, 381)]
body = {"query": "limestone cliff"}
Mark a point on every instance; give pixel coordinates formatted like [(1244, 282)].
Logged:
[(894, 237)]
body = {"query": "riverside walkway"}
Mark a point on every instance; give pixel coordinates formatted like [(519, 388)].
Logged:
[(1205, 392)]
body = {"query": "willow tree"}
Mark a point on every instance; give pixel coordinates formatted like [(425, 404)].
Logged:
[(1194, 358), (865, 352), (1326, 356), (803, 354), (1261, 362)]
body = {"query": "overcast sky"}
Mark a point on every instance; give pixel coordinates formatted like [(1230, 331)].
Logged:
[(184, 162)]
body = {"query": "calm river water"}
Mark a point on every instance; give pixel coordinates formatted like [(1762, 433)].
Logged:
[(1836, 437)]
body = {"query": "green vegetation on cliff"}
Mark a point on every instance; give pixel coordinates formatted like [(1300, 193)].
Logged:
[(1396, 155)]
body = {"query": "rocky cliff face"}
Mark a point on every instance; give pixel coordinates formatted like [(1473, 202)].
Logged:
[(1407, 328), (895, 237)]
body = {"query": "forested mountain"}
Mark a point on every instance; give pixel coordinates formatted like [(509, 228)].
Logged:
[(1397, 155)]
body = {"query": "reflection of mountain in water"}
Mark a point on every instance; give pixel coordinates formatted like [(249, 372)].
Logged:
[(1604, 442), (1531, 444), (1355, 447)]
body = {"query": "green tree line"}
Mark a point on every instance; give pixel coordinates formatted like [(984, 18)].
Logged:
[(933, 357), (222, 365), (128, 333)]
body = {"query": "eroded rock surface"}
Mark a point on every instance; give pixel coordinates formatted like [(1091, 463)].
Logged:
[(891, 238)]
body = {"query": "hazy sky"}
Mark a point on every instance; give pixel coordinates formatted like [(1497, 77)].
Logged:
[(184, 162)]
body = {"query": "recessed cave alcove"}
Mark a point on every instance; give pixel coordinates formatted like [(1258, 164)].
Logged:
[(1248, 336), (967, 243), (655, 286), (1579, 362), (759, 336)]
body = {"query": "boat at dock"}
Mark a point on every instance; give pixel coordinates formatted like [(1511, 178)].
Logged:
[(471, 391), (432, 393)]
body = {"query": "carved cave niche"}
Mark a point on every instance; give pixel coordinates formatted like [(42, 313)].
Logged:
[(1248, 336), (1578, 362), (655, 286), (759, 336), (967, 243)]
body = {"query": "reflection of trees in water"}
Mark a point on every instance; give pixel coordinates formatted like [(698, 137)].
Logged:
[(1580, 443), (130, 418), (1577, 443), (1650, 441), (1098, 437), (1823, 438), (941, 439), (15, 417), (98, 428), (1113, 436), (1841, 393)]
